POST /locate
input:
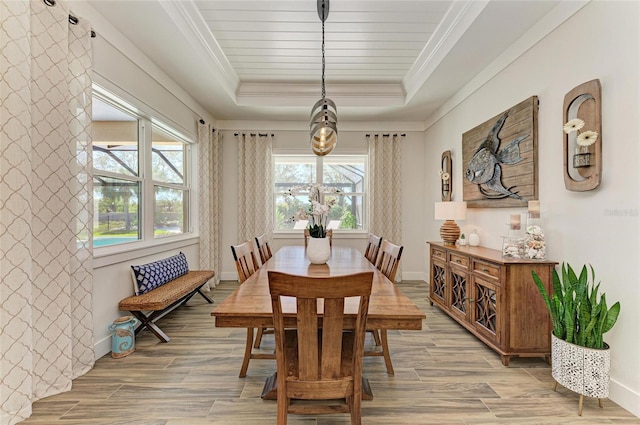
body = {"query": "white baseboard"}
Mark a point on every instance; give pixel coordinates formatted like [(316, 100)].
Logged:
[(625, 397), (413, 276), (102, 347), (229, 276)]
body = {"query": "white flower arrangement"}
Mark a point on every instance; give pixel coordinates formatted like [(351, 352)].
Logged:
[(317, 212), (586, 138)]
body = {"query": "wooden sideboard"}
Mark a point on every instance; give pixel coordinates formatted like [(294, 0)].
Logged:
[(494, 298)]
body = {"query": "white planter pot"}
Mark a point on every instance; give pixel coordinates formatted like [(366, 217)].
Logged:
[(318, 250), (580, 369)]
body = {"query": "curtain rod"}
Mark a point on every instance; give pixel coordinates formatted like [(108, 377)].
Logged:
[(254, 134), (72, 19), (387, 135)]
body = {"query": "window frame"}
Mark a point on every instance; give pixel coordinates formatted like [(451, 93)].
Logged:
[(146, 206), (319, 163)]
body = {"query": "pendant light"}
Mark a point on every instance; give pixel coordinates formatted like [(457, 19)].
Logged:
[(323, 118)]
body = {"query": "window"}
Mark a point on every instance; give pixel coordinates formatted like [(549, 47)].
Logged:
[(127, 206), (171, 195), (347, 173)]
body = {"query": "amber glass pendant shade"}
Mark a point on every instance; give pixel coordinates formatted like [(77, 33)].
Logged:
[(323, 124)]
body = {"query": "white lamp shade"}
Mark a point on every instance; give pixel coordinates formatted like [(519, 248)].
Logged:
[(450, 211)]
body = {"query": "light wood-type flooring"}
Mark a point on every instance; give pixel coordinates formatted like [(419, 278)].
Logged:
[(444, 376)]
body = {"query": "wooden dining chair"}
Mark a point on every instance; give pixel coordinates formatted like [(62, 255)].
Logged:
[(388, 262), (389, 259), (371, 254), (265, 254), (373, 247), (263, 248), (307, 236), (247, 265), (245, 259), (319, 361)]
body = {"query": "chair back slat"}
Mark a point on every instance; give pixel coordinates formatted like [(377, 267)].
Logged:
[(245, 259), (389, 259), (332, 326), (307, 338), (373, 247), (263, 248)]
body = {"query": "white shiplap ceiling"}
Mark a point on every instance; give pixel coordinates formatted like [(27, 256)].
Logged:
[(261, 60), (370, 41)]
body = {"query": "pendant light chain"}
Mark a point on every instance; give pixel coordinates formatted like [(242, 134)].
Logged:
[(323, 63)]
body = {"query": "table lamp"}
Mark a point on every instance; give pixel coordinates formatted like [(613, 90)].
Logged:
[(450, 211)]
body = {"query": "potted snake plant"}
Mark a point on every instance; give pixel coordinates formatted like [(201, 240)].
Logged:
[(580, 359)]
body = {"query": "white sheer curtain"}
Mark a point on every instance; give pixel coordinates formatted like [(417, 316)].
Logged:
[(255, 185), (385, 152), (46, 335), (210, 192)]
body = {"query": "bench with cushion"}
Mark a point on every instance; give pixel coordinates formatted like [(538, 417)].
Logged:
[(160, 287)]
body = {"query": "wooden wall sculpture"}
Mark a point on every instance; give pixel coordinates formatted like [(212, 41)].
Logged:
[(500, 158), (446, 176), (583, 169)]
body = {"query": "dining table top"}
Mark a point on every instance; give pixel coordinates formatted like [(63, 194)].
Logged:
[(250, 304)]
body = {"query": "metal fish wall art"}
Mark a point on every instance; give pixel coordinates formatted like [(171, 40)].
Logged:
[(485, 170)]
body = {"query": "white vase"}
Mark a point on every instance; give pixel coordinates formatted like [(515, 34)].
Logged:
[(474, 239), (318, 250)]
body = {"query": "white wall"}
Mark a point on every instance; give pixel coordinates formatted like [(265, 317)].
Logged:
[(598, 227), (349, 142)]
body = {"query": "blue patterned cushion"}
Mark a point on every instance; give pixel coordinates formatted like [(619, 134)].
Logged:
[(152, 275)]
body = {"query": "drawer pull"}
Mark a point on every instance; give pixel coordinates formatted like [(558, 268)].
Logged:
[(484, 269), (458, 261)]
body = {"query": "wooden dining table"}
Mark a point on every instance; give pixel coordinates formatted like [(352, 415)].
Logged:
[(249, 306)]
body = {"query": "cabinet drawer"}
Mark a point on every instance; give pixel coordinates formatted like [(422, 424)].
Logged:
[(488, 269), (439, 254), (459, 260)]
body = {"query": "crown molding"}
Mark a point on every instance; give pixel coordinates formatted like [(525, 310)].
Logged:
[(186, 16), (456, 22), (346, 95), (303, 125)]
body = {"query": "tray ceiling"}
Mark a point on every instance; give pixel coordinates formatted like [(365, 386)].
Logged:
[(261, 60)]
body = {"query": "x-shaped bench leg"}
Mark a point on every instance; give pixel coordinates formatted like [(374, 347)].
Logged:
[(147, 322), (205, 296)]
